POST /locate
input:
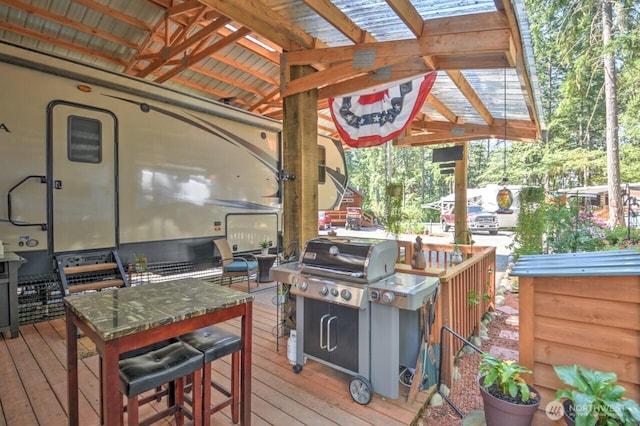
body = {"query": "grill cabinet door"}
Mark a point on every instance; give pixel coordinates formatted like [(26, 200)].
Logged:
[(338, 327)]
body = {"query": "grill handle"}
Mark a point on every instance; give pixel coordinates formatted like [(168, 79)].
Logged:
[(322, 345), (334, 271), (330, 349)]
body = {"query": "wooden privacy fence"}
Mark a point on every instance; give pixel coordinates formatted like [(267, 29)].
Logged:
[(467, 291)]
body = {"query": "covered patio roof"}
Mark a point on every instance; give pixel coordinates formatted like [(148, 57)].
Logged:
[(239, 53)]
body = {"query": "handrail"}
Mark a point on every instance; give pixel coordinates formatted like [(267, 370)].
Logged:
[(43, 179)]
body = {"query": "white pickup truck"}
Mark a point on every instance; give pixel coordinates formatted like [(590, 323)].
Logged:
[(478, 219)]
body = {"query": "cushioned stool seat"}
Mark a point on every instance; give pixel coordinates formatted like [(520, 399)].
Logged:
[(156, 367), (215, 343)]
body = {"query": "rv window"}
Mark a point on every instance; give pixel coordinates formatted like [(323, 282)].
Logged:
[(84, 140), (322, 170)]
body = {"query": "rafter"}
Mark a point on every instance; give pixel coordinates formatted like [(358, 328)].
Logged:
[(196, 57), (168, 52), (465, 88), (64, 21), (339, 20)]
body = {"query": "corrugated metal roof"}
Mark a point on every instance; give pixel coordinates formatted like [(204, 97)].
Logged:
[(606, 263)]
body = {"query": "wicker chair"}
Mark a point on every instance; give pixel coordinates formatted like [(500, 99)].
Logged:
[(236, 266)]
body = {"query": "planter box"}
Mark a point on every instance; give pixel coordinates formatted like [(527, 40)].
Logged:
[(580, 308)]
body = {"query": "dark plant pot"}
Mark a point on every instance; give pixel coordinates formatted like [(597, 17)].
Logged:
[(566, 404), (500, 413)]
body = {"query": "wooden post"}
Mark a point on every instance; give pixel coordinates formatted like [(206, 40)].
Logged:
[(300, 159), (460, 206)]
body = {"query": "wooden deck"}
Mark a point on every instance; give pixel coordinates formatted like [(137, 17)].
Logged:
[(33, 387)]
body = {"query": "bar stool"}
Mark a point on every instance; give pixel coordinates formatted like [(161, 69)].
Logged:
[(154, 368), (215, 343)]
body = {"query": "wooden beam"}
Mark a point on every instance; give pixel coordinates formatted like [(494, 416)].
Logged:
[(489, 41), (400, 71), (465, 88), (263, 20), (168, 52), (115, 14), (60, 43), (442, 108), (334, 74), (300, 158), (339, 20), (197, 57), (460, 201), (63, 20), (409, 15)]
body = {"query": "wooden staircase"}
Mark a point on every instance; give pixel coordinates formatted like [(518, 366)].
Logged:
[(94, 271)]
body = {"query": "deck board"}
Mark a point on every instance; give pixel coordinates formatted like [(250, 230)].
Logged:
[(33, 383)]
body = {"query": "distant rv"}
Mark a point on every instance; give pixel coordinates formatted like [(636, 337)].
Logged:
[(93, 160)]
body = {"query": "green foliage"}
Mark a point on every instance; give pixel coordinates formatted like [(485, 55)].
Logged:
[(529, 232), (264, 243), (393, 192), (596, 398), (505, 375)]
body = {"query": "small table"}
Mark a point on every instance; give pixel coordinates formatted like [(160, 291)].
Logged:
[(265, 262), (120, 320)]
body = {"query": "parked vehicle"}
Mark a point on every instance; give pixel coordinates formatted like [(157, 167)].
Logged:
[(478, 219), (324, 220), (354, 218), (94, 160)]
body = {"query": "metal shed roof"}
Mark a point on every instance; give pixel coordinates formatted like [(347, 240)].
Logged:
[(606, 263), (232, 51)]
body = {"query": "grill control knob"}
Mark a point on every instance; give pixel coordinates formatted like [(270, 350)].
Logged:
[(323, 290), (375, 294), (346, 294), (387, 297), (302, 285), (334, 292)]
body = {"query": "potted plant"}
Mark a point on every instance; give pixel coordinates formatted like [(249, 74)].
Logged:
[(508, 400), (595, 398), (264, 247), (140, 262)]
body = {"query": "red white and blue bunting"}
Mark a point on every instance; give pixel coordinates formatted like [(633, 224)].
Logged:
[(372, 119)]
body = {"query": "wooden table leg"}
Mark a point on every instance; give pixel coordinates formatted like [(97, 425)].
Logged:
[(112, 400), (245, 385), (72, 369)]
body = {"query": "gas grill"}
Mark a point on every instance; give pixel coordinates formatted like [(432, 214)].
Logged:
[(354, 313)]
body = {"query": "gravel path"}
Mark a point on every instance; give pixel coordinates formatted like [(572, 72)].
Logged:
[(502, 342)]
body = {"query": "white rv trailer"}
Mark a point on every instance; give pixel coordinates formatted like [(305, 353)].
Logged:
[(90, 160)]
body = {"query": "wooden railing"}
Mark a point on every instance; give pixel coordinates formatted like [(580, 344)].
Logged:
[(339, 218), (467, 291)]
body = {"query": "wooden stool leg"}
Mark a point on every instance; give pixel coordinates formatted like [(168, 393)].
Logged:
[(196, 394), (206, 395), (235, 386), (132, 411), (179, 400)]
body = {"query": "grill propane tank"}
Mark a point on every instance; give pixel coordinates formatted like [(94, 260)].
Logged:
[(291, 347)]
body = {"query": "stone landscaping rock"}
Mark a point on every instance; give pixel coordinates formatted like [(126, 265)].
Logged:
[(500, 299), (474, 418), (436, 400)]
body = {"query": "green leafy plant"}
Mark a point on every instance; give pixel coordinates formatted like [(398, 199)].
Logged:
[(505, 375), (595, 398), (140, 261), (473, 298), (264, 243)]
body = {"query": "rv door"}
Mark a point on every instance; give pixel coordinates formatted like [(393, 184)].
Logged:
[(82, 150)]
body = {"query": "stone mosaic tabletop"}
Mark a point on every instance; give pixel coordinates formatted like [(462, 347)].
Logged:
[(124, 311)]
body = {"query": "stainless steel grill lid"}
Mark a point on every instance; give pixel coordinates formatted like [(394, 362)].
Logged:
[(354, 259)]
